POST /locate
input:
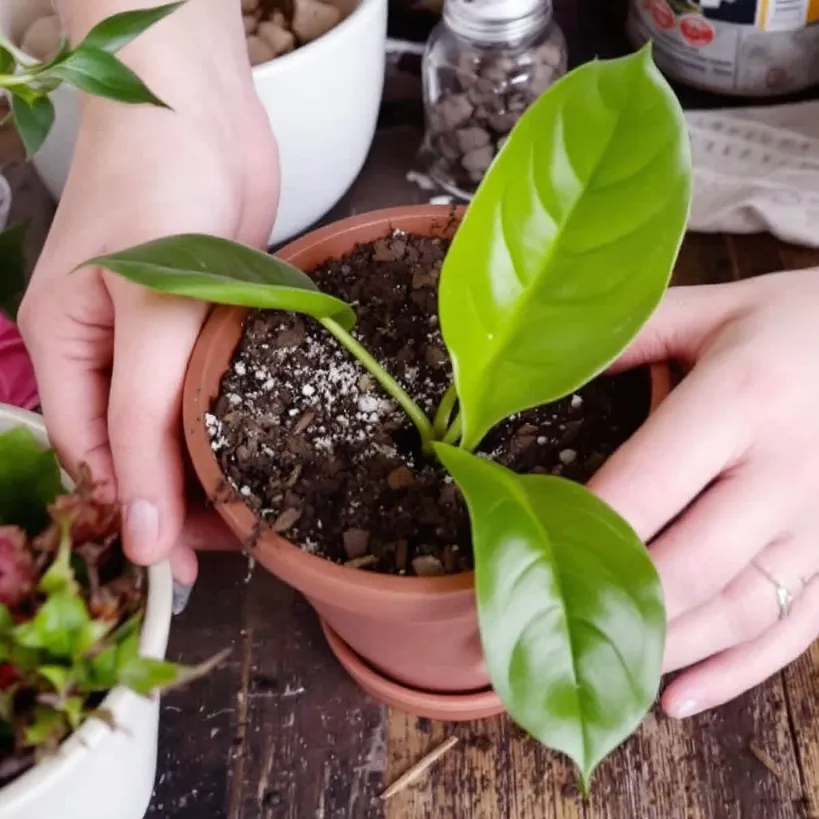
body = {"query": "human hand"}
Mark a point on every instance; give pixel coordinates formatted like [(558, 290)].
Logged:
[(722, 482), (110, 357)]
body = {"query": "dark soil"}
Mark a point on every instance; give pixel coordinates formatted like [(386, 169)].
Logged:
[(317, 449)]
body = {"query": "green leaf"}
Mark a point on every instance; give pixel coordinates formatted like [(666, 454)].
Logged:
[(73, 708), (569, 604), (6, 620), (145, 675), (59, 577), (29, 480), (221, 271), (48, 728), (59, 627), (118, 30), (57, 676), (91, 635), (103, 75), (34, 120), (7, 62), (569, 243), (14, 269)]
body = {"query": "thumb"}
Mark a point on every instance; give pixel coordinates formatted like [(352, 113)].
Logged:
[(682, 325), (153, 338)]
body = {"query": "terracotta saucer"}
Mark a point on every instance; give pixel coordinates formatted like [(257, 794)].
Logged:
[(448, 707)]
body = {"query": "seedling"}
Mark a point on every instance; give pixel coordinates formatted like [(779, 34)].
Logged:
[(561, 258), (71, 608)]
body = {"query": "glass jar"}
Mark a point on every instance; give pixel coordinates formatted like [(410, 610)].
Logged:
[(484, 64)]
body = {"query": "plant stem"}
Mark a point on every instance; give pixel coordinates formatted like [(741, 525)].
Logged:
[(393, 388), (454, 432), (442, 416), (12, 80), (22, 58)]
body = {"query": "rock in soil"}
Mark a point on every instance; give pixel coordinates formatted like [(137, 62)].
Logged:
[(315, 447)]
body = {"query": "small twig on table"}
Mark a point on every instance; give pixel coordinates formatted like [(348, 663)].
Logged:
[(420, 767), (765, 759)]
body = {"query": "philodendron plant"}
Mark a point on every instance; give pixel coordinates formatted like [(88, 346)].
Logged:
[(560, 259), (71, 608), (93, 67)]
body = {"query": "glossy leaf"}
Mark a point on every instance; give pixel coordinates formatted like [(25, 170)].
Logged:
[(569, 243), (569, 604), (59, 627), (34, 121), (117, 31), (103, 75), (29, 480), (224, 272)]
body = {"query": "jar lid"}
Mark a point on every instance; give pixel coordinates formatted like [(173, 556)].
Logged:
[(487, 20)]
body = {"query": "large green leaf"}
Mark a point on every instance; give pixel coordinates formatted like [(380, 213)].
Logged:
[(569, 243), (103, 75), (570, 607), (117, 31), (224, 272), (33, 120), (29, 480)]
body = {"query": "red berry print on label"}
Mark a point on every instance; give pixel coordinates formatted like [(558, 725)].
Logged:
[(662, 14), (696, 30)]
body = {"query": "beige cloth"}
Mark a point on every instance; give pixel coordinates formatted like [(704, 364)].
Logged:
[(756, 170)]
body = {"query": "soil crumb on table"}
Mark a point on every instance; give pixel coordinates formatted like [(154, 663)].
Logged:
[(313, 444)]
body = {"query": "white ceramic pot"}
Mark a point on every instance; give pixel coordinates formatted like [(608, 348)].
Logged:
[(322, 101), (99, 773)]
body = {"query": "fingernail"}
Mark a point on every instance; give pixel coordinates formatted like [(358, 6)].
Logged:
[(181, 595), (686, 708), (142, 524)]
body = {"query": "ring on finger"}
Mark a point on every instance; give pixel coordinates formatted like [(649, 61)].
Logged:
[(785, 598)]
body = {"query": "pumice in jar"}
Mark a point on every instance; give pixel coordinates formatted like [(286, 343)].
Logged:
[(485, 63)]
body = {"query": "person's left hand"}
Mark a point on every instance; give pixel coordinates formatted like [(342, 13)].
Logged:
[(723, 481)]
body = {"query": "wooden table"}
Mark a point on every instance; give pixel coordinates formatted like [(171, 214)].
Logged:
[(280, 732)]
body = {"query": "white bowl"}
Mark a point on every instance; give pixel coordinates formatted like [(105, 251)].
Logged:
[(99, 773), (322, 101)]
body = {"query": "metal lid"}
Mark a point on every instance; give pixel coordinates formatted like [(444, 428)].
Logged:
[(490, 20)]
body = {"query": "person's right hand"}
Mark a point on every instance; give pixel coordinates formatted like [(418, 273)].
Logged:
[(110, 357)]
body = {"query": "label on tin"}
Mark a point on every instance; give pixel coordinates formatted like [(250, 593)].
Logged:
[(747, 47)]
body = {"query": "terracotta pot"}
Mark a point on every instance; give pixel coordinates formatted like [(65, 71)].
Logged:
[(421, 633)]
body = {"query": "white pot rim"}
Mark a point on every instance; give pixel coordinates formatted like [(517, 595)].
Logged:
[(152, 643), (295, 58)]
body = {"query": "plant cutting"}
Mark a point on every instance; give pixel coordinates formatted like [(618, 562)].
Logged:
[(559, 260), (28, 83)]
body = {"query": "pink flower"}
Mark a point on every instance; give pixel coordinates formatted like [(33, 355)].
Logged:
[(18, 386), (17, 572)]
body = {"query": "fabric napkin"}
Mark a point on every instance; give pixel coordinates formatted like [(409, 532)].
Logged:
[(757, 169)]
